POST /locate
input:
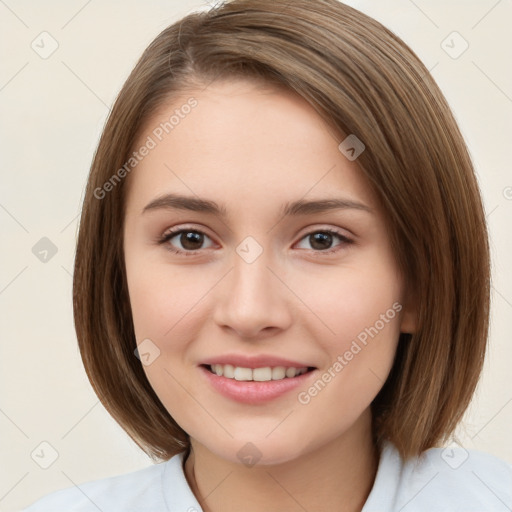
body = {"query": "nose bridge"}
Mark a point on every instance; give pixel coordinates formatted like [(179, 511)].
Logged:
[(252, 298), (251, 275)]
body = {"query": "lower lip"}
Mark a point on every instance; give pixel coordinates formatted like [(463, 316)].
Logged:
[(251, 392)]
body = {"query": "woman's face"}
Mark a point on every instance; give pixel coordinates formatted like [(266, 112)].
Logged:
[(278, 258)]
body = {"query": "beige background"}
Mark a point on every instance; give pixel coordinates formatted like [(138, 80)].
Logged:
[(52, 112)]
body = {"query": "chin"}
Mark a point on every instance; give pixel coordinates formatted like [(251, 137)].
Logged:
[(259, 449)]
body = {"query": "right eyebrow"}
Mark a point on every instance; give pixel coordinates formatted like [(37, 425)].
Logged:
[(180, 202)]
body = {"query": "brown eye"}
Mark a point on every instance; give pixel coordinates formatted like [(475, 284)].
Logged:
[(191, 240), (185, 240), (323, 240)]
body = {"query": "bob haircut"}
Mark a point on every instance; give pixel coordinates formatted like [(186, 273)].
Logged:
[(363, 80)]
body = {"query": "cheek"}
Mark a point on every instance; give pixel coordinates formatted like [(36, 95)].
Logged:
[(367, 309), (161, 298), (165, 303), (346, 300), (168, 309), (360, 311), (364, 312)]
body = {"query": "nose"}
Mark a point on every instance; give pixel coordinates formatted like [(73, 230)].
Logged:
[(253, 301)]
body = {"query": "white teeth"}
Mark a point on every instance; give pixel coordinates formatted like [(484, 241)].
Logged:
[(264, 374), (243, 373), (229, 371), (278, 373), (290, 372)]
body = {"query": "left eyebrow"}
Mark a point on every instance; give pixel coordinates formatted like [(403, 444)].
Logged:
[(302, 207), (291, 209)]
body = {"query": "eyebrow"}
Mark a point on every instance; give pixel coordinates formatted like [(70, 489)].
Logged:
[(295, 208)]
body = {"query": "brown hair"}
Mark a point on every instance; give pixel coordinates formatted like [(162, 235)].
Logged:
[(363, 80)]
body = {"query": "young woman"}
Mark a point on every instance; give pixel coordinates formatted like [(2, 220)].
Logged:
[(281, 289)]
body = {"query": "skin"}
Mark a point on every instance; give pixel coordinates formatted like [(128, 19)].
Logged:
[(253, 149)]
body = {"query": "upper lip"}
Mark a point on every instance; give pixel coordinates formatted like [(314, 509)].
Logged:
[(259, 361)]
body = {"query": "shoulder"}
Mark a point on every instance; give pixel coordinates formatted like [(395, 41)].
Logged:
[(138, 491), (453, 476), (446, 479)]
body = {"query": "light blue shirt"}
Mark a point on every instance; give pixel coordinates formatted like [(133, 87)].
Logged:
[(440, 480)]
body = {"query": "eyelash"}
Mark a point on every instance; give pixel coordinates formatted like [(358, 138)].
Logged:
[(172, 233)]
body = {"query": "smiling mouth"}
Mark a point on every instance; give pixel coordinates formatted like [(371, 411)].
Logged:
[(263, 374)]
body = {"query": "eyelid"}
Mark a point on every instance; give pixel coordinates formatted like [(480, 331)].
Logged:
[(170, 233), (175, 231), (185, 227), (315, 228), (336, 232)]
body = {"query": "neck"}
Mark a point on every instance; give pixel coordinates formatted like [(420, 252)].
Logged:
[(338, 476)]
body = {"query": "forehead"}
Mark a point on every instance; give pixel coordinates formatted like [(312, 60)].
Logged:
[(245, 145)]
